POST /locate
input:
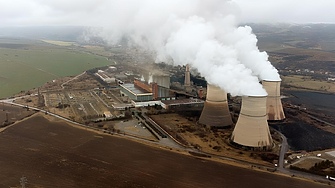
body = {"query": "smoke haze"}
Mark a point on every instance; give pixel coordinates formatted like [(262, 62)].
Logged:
[(204, 34)]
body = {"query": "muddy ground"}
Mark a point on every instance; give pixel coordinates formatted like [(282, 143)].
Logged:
[(55, 154)]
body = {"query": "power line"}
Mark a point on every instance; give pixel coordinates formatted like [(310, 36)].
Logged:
[(23, 181)]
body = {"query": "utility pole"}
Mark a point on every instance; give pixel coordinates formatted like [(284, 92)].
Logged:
[(6, 117), (39, 97), (23, 182)]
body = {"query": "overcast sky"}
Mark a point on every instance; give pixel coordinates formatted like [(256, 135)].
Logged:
[(83, 12), (292, 11)]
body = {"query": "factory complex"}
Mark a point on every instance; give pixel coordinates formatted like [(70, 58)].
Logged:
[(251, 130), (154, 105)]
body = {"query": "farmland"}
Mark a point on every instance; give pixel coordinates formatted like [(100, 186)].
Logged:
[(55, 154), (29, 64), (307, 82), (59, 43), (14, 113)]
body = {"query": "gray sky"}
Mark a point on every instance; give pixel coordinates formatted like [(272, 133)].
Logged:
[(292, 11), (83, 12), (203, 33)]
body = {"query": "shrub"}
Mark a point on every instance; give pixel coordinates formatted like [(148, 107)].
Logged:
[(217, 148)]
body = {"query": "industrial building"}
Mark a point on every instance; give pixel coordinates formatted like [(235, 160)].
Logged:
[(184, 103), (141, 91), (103, 76), (216, 111), (111, 69), (274, 107), (252, 130), (162, 79), (143, 94), (136, 93)]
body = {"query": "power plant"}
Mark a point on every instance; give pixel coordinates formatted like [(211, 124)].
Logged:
[(216, 112), (274, 108), (252, 128)]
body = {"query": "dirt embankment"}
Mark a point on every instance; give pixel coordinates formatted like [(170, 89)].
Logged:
[(213, 141)]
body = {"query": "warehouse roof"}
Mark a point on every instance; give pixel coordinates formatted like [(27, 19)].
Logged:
[(135, 89), (182, 101)]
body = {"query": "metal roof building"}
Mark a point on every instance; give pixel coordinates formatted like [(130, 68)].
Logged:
[(136, 93)]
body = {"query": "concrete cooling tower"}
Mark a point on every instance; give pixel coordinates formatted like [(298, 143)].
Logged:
[(252, 128), (274, 108), (216, 112)]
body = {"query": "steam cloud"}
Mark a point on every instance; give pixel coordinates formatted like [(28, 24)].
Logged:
[(204, 34)]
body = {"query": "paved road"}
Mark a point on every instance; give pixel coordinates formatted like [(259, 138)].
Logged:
[(10, 101), (320, 120), (171, 142), (114, 162), (72, 79), (283, 149)]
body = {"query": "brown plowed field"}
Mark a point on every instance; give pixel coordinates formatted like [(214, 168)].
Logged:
[(14, 113), (55, 154)]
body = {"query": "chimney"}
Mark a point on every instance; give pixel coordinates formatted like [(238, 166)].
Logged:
[(200, 93), (252, 128), (154, 90), (216, 112), (274, 108), (187, 81)]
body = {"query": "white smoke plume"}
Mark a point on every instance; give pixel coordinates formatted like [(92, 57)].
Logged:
[(204, 34)]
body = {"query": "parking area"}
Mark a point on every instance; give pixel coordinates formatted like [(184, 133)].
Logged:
[(134, 127)]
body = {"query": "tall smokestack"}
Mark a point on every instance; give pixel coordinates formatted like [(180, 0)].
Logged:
[(216, 112), (187, 81), (274, 108), (154, 90), (252, 128), (200, 93)]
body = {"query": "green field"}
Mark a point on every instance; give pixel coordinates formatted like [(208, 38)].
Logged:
[(60, 43), (307, 82), (29, 64)]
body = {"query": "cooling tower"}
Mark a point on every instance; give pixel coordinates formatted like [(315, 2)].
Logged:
[(274, 108), (187, 81), (216, 112), (252, 128)]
